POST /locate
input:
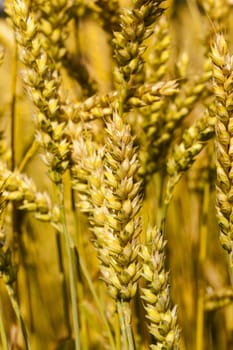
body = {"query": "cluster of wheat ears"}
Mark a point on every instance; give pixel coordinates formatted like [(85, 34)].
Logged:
[(116, 175)]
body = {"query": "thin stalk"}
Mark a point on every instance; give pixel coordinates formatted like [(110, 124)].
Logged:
[(13, 102), (128, 326), (117, 332), (64, 287), (96, 299), (230, 264), (124, 313), (14, 68), (83, 315), (202, 257), (200, 317), (159, 185), (122, 97), (71, 270), (172, 182), (3, 331), (122, 325), (16, 308), (29, 154), (77, 245)]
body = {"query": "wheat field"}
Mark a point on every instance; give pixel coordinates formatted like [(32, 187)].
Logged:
[(116, 149)]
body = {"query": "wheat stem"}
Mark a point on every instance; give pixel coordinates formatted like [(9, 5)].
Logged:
[(3, 331), (202, 257), (70, 269), (13, 102), (16, 308), (122, 325), (96, 299), (64, 287), (128, 324), (29, 154)]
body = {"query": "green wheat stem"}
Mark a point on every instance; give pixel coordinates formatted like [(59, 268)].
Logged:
[(83, 317), (78, 251), (97, 301), (3, 331), (202, 257), (122, 325), (128, 326), (16, 308), (68, 244), (124, 313), (64, 286)]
